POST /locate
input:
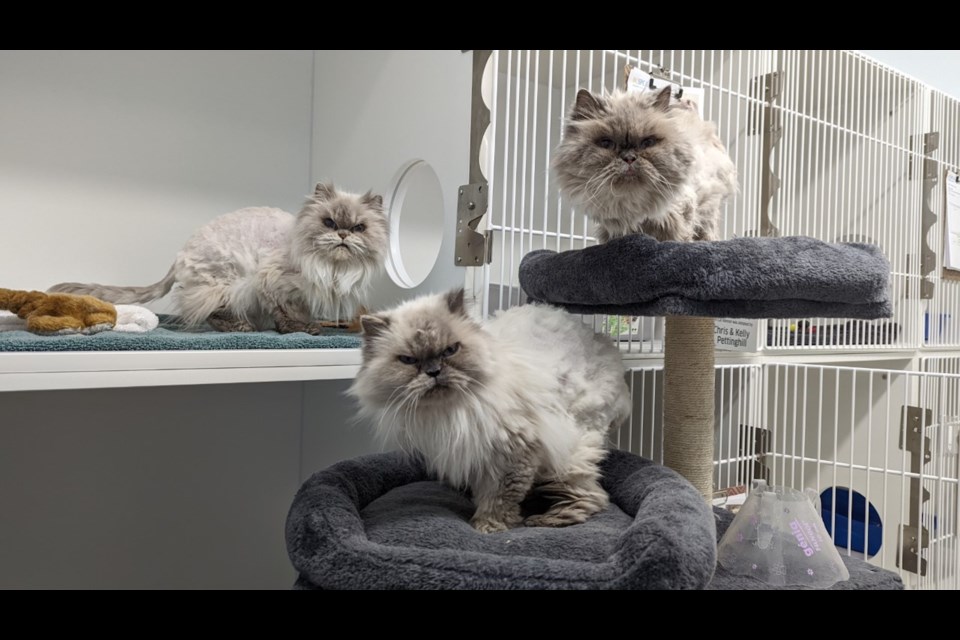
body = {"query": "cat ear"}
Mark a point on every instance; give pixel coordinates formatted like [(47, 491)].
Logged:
[(324, 191), (455, 301), (372, 200), (662, 101), (586, 106), (374, 325)]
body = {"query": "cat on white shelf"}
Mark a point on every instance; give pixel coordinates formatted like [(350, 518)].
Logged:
[(263, 268)]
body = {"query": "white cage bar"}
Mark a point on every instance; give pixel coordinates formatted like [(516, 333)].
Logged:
[(846, 167), (836, 430)]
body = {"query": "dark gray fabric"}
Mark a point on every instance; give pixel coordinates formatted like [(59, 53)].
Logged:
[(377, 522), (863, 576), (793, 277)]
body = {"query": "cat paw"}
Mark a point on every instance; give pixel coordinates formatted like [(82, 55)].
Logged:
[(554, 520), (488, 525), (315, 328)]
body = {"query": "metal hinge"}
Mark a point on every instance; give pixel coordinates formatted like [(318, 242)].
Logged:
[(472, 248), (771, 133), (913, 420), (913, 538), (928, 217), (912, 541)]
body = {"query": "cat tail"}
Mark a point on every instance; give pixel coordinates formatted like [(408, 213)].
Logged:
[(119, 295)]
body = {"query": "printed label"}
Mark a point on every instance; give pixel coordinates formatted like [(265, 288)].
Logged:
[(806, 535), (735, 334)]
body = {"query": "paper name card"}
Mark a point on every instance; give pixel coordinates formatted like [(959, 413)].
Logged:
[(640, 82), (735, 334), (951, 240)]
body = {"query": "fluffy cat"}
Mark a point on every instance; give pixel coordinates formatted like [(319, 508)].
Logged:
[(638, 163), (260, 268), (500, 408)]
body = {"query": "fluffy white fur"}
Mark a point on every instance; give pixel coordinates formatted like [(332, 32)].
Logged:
[(243, 261), (639, 163), (529, 400), (260, 267)]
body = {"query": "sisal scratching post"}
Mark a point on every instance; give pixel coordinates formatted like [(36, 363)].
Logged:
[(688, 388)]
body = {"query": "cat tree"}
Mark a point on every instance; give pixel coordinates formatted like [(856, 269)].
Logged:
[(693, 283), (379, 522)]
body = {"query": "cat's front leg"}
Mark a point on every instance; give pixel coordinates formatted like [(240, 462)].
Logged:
[(288, 324), (352, 326), (498, 502)]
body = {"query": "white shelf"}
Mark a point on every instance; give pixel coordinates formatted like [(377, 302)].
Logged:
[(35, 371)]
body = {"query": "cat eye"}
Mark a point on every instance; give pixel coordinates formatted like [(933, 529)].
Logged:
[(648, 142), (605, 143), (452, 349), (329, 223), (407, 359), (360, 228)]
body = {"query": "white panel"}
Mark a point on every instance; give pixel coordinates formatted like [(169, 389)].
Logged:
[(331, 431), (109, 160), (184, 487)]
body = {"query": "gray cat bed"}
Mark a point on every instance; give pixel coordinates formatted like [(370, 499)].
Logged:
[(794, 277), (378, 522)]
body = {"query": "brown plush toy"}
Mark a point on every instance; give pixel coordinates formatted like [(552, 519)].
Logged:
[(59, 313)]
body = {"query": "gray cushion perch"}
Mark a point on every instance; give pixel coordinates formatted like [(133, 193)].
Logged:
[(379, 522), (793, 277), (693, 282)]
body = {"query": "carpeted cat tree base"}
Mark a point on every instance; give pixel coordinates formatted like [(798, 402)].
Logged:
[(378, 522), (693, 282)]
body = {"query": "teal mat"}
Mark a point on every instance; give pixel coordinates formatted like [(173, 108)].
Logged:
[(169, 338)]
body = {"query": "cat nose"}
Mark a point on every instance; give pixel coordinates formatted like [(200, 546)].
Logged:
[(433, 370), (342, 233), (629, 157)]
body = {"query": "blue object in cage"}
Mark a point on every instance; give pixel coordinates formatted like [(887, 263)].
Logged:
[(857, 525)]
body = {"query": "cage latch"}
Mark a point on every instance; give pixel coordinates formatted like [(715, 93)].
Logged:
[(472, 247)]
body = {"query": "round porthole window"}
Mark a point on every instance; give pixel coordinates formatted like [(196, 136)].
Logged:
[(415, 211)]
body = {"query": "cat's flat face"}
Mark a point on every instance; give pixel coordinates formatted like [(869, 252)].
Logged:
[(342, 227), (425, 354), (622, 145)]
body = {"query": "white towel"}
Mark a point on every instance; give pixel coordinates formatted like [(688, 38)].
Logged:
[(132, 318)]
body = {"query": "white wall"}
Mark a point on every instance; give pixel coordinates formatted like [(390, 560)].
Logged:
[(376, 110), (939, 68), (109, 160)]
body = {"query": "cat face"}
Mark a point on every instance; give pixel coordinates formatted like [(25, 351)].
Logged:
[(626, 145), (425, 354), (342, 228)]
